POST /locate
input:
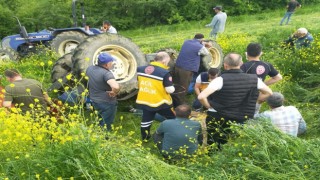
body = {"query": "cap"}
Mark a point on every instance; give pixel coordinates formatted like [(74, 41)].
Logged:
[(105, 58), (199, 36), (218, 8), (302, 31)]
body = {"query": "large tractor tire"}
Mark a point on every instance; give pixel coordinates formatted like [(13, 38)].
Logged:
[(67, 41), (62, 67), (173, 57), (127, 54), (214, 59), (8, 54)]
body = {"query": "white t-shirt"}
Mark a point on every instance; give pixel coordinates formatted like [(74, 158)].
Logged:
[(217, 83), (112, 30)]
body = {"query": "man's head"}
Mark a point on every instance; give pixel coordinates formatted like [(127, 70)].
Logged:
[(11, 74), (213, 73), (162, 57), (254, 50), (199, 37), (106, 25), (105, 60), (183, 111), (275, 100), (301, 32), (232, 61), (217, 9)]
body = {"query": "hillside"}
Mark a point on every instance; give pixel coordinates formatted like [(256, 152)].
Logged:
[(78, 149)]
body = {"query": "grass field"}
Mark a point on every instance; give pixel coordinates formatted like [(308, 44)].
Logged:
[(260, 151)]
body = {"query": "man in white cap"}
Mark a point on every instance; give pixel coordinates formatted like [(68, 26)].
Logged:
[(218, 22), (300, 39), (103, 89)]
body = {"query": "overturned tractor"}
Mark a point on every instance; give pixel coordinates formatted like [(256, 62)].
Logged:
[(128, 57)]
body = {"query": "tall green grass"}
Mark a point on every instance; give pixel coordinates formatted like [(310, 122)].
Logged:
[(256, 151)]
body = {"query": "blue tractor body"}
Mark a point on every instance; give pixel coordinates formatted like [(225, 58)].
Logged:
[(61, 41), (24, 43), (17, 42)]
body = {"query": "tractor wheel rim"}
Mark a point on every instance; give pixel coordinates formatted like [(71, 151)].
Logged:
[(125, 65), (67, 47), (215, 57)]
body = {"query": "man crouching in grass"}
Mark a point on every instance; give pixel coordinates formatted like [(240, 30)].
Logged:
[(179, 137)]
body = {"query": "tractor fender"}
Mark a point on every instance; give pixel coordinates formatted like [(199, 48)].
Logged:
[(94, 31)]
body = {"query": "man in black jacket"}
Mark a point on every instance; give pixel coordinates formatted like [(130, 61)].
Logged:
[(231, 97)]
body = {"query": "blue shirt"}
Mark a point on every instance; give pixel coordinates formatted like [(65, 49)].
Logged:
[(189, 56), (218, 22)]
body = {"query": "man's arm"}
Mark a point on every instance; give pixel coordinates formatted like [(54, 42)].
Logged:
[(114, 86), (214, 85), (197, 85), (203, 51), (265, 91), (7, 100), (197, 88), (213, 22), (273, 79), (168, 84), (203, 97)]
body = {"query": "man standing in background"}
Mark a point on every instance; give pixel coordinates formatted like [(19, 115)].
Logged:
[(218, 22), (291, 7)]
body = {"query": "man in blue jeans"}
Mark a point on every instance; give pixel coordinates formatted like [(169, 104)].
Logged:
[(103, 89), (291, 7)]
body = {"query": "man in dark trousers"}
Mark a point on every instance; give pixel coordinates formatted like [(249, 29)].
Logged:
[(291, 7), (103, 89), (231, 97), (188, 62), (155, 86)]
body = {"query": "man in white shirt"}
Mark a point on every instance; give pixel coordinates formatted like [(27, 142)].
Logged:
[(107, 27)]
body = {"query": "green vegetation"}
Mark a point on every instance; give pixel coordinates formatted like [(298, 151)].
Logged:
[(125, 14), (77, 149)]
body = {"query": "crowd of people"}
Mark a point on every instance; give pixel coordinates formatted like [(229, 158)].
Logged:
[(233, 95)]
